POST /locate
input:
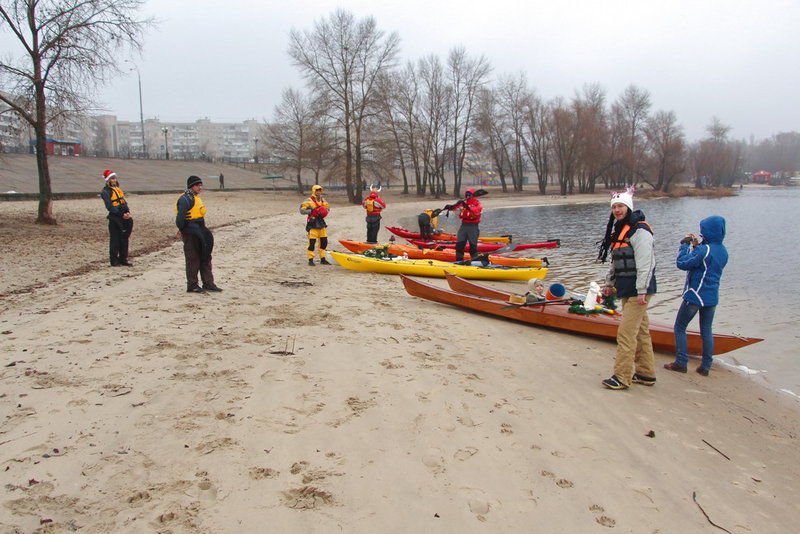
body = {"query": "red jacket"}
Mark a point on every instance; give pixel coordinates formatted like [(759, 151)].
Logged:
[(471, 211)]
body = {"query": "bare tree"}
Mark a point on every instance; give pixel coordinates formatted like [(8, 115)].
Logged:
[(564, 129), (343, 60), (512, 97), (288, 136), (434, 119), (66, 48), (491, 126), (466, 76), (668, 149), (631, 110), (594, 149), (715, 158)]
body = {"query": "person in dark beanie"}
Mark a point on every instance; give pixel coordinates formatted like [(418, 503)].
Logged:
[(198, 241), (120, 222)]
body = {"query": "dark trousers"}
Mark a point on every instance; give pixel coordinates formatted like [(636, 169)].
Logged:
[(425, 227), (468, 233), (373, 226), (119, 233), (197, 251)]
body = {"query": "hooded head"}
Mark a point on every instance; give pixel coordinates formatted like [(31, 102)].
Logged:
[(374, 194), (469, 192), (713, 229), (316, 189), (535, 285)]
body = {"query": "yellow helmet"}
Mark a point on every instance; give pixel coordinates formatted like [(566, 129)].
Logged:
[(315, 188)]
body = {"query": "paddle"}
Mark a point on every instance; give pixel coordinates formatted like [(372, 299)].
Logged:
[(484, 257), (541, 303), (479, 193)]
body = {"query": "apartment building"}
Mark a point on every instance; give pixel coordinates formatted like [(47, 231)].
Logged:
[(106, 136)]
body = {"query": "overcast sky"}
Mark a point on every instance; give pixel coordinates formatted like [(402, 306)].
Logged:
[(737, 60)]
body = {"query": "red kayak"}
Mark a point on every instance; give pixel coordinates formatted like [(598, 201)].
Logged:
[(444, 236), (486, 247)]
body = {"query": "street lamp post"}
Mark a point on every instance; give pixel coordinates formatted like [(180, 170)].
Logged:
[(141, 109), (255, 157), (166, 146)]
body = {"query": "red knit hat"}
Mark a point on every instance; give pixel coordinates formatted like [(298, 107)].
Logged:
[(109, 174)]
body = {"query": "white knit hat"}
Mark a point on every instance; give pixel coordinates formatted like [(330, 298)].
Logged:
[(625, 197)]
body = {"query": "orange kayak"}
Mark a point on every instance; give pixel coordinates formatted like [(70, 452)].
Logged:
[(415, 253)]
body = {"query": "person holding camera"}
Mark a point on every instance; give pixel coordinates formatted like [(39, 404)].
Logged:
[(316, 208), (703, 257)]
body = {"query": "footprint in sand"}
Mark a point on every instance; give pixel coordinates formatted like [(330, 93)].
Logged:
[(258, 473), (606, 521), (564, 483), (139, 496), (433, 460), (465, 453)]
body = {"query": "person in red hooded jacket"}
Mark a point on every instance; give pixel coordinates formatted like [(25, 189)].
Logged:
[(374, 204), (469, 232)]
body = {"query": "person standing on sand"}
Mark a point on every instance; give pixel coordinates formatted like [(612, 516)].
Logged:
[(374, 204), (221, 181), (120, 222), (703, 257), (316, 208), (632, 276), (469, 232), (198, 241)]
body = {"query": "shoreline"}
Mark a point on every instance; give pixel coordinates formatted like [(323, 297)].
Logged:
[(317, 399)]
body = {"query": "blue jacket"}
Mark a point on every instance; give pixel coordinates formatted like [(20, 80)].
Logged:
[(704, 264)]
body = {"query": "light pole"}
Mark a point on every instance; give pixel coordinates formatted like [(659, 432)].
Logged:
[(141, 109), (166, 146), (255, 157)]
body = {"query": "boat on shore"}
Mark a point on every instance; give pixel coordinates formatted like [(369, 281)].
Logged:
[(435, 268), (444, 236), (415, 253), (556, 315), (486, 247)]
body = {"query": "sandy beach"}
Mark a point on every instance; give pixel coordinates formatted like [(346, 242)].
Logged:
[(316, 399)]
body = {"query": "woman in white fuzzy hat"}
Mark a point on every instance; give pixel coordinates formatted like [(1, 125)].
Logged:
[(632, 277)]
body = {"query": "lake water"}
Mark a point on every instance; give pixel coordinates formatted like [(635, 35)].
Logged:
[(759, 295)]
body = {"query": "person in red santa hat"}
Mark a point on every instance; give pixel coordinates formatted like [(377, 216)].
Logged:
[(120, 222)]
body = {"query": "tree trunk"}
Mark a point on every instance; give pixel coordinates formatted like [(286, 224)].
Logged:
[(45, 214)]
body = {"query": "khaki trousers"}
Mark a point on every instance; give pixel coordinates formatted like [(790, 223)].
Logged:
[(634, 346)]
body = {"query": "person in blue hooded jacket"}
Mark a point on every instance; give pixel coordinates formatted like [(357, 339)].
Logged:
[(703, 257)]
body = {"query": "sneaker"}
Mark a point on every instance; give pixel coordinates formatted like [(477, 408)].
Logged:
[(310, 262), (195, 290), (126, 263), (702, 371), (646, 380), (323, 261), (614, 383), (212, 288), (672, 366)]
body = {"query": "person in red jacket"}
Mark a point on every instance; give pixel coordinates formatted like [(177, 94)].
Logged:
[(470, 215), (374, 204)]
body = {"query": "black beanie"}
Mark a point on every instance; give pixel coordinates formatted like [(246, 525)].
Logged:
[(193, 181)]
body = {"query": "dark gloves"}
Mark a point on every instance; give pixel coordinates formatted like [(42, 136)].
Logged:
[(686, 240)]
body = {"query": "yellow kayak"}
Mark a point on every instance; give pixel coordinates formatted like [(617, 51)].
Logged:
[(435, 268)]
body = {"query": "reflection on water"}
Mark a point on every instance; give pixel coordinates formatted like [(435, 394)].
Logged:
[(760, 295)]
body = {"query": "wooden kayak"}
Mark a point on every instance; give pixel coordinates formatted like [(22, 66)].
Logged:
[(484, 247), (466, 294), (435, 268), (444, 236), (414, 253)]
